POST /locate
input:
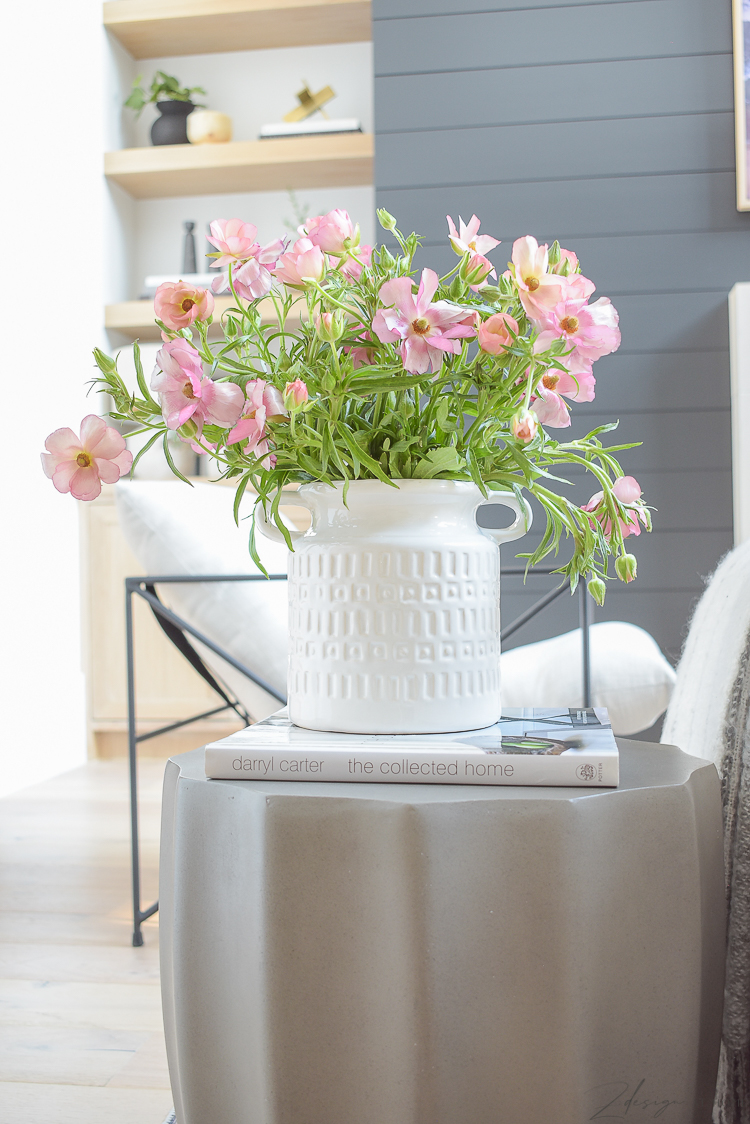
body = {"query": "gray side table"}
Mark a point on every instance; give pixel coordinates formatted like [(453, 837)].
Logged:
[(397, 954)]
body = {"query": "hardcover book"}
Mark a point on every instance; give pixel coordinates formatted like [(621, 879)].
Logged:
[(553, 746)]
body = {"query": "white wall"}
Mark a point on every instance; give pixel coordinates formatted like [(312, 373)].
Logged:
[(51, 293), (73, 244)]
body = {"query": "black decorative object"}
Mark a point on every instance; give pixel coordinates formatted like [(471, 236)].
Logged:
[(188, 249), (171, 126)]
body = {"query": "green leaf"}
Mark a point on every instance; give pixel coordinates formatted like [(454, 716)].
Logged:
[(390, 383), (437, 461), (139, 375), (238, 497), (253, 548), (365, 458), (170, 462)]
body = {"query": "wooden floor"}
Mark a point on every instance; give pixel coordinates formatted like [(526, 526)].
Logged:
[(81, 1038)]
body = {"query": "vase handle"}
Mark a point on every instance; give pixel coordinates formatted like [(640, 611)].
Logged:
[(520, 525), (288, 498)]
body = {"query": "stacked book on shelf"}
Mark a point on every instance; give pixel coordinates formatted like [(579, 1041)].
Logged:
[(574, 747)]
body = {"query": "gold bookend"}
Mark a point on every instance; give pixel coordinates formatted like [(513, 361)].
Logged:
[(310, 103)]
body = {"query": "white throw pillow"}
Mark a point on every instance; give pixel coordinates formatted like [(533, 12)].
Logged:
[(174, 529), (629, 674)]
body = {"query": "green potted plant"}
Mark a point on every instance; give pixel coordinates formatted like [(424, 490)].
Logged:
[(174, 103)]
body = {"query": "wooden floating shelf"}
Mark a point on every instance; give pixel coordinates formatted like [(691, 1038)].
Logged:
[(289, 163), (136, 318), (153, 28)]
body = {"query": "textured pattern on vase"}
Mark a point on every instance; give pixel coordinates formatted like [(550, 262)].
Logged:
[(394, 624)]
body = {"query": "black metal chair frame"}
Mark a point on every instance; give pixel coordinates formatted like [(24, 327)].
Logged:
[(178, 630)]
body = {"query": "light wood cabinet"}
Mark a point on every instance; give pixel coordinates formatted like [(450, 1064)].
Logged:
[(167, 687)]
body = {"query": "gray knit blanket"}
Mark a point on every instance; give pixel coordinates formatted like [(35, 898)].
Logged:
[(709, 716)]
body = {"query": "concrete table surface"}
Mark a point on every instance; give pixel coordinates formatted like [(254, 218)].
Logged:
[(406, 954)]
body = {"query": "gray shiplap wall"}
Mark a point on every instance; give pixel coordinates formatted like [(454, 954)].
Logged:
[(609, 126)]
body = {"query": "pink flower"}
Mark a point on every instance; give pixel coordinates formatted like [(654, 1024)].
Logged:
[(628, 492), (263, 403), (253, 279), (351, 267), (577, 383), (295, 394), (589, 329), (537, 287), (179, 305), (234, 239), (426, 330), (494, 333), (79, 464), (331, 232), (185, 394), (524, 426), (467, 240), (305, 262), (253, 432), (550, 408)]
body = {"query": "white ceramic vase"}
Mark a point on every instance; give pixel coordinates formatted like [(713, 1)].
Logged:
[(394, 607)]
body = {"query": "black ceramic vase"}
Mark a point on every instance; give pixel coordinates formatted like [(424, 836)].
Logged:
[(171, 126)]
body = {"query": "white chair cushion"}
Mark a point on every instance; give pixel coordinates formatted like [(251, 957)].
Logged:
[(629, 674), (174, 529)]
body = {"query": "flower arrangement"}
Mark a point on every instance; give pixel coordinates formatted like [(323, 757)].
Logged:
[(365, 371)]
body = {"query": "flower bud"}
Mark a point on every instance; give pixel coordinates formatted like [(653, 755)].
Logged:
[(475, 270), (188, 430), (386, 221), (295, 394), (524, 426), (330, 326), (597, 589), (626, 567), (505, 285)]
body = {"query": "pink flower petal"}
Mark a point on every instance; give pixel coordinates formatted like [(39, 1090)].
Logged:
[(550, 409), (85, 484), (627, 489), (108, 471), (63, 474), (398, 292), (427, 288), (92, 431), (109, 445), (63, 443)]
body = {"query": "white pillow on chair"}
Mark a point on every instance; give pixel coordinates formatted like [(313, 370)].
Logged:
[(629, 674), (174, 529)]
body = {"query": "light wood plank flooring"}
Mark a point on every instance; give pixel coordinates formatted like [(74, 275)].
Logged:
[(81, 1039)]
